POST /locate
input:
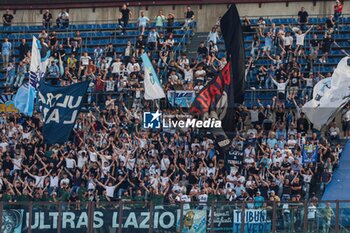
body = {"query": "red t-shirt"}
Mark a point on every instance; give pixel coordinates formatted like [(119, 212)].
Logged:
[(99, 86), (338, 8)]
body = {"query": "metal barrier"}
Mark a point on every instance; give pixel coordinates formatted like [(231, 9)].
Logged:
[(128, 216)]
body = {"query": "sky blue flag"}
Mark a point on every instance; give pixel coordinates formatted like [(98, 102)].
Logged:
[(153, 88), (24, 99)]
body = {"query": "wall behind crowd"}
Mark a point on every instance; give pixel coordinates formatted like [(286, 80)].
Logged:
[(206, 15)]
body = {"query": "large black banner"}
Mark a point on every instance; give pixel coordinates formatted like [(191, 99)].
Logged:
[(74, 221)]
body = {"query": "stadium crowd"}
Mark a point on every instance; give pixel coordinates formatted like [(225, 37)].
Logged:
[(111, 157)]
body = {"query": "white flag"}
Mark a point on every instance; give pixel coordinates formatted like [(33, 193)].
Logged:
[(153, 88), (329, 96)]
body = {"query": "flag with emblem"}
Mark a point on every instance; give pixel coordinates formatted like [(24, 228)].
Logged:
[(25, 96), (153, 88)]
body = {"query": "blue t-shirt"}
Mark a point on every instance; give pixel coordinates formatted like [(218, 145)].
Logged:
[(271, 142), (268, 41), (152, 37), (259, 201), (6, 48), (143, 20)]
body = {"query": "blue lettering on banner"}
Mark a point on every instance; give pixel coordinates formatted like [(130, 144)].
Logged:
[(255, 221)]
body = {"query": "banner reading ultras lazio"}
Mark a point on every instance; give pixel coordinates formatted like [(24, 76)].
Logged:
[(60, 107), (134, 219)]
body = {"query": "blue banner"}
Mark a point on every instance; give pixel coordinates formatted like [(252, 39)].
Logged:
[(181, 98), (60, 107), (310, 153)]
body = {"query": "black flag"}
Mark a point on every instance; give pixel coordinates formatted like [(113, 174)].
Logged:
[(232, 33), (219, 97)]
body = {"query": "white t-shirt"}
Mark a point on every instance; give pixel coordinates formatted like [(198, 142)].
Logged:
[(110, 85), (115, 67), (81, 161), (200, 74), (346, 116), (311, 213), (186, 199), (54, 181), (131, 164), (4, 145), (70, 163), (203, 198), (93, 156), (39, 181), (254, 115), (188, 75), (85, 60), (288, 40), (110, 190), (65, 181), (300, 39), (17, 164), (26, 136), (164, 163), (164, 180)]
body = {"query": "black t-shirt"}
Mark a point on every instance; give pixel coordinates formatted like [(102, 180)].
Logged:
[(189, 14), (140, 44), (8, 17), (125, 13), (286, 189), (53, 39), (294, 81), (303, 16), (314, 42), (171, 21), (295, 185), (329, 23), (202, 50), (47, 17), (327, 42), (110, 52), (261, 75)]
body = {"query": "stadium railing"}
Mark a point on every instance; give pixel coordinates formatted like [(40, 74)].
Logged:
[(125, 216), (44, 4)]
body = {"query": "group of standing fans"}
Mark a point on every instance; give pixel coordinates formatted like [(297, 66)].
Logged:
[(111, 157)]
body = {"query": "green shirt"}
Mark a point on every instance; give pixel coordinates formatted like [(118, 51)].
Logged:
[(23, 198), (212, 197), (156, 199), (81, 191), (140, 201), (160, 21), (6, 197), (65, 196)]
